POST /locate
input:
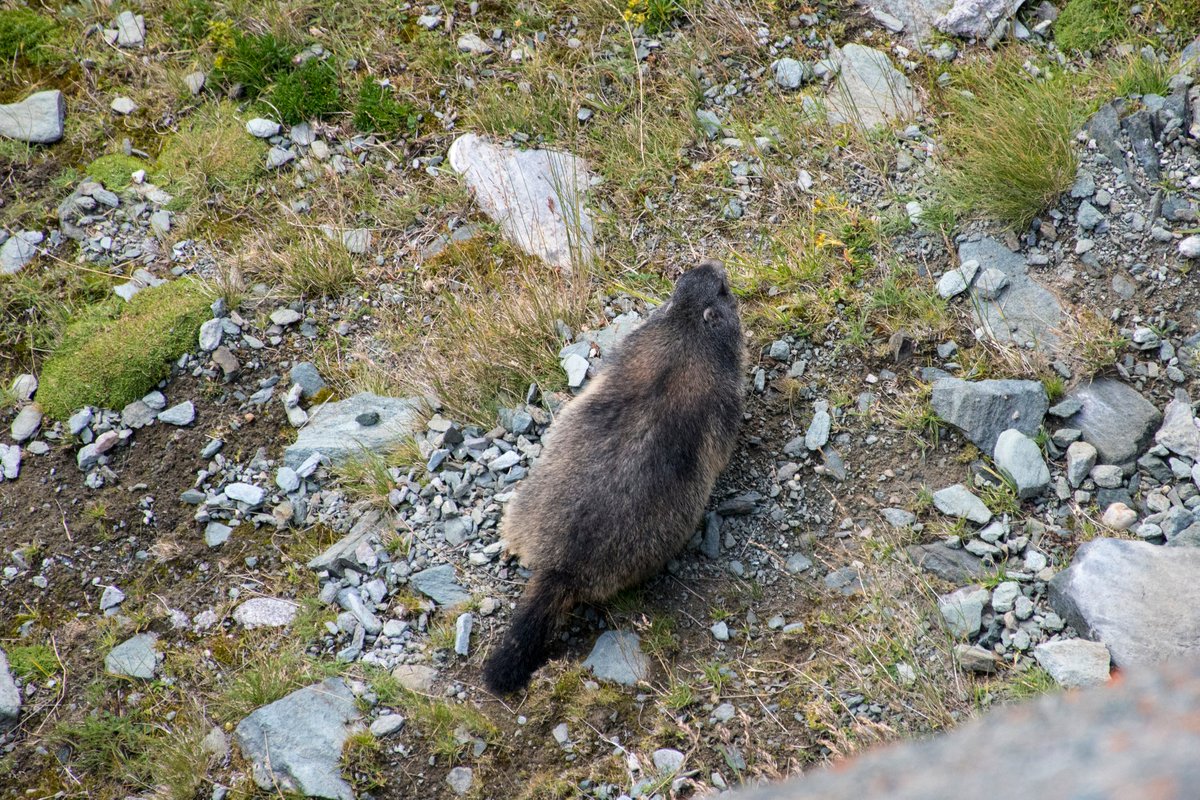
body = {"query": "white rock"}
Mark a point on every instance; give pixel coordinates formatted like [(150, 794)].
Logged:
[(37, 119), (123, 106), (131, 29), (265, 612), (262, 128), (470, 43), (246, 493), (576, 367), (1190, 247), (951, 283), (1119, 517)]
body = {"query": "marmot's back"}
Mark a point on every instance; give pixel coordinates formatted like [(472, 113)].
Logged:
[(629, 465)]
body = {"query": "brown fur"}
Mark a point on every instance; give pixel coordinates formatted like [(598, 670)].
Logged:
[(627, 467)]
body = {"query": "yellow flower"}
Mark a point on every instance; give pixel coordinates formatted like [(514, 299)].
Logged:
[(517, 24)]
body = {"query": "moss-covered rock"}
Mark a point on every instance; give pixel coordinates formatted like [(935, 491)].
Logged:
[(110, 356), (114, 170)]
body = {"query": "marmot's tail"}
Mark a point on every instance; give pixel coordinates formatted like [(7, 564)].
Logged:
[(524, 648)]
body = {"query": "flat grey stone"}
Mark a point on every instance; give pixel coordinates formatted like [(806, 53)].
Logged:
[(262, 128), (975, 19), (278, 156), (958, 501), (984, 409), (305, 374), (440, 585), (818, 430), (1026, 313), (247, 493), (26, 423), (990, 283), (1021, 459), (386, 725), (1138, 598), (136, 657), (350, 599), (1115, 419), (962, 610), (131, 29), (210, 335), (123, 106), (265, 612), (869, 91), (1180, 431), (37, 119), (287, 480), (462, 634), (460, 779), (111, 597), (19, 250), (340, 555), (797, 563), (899, 517), (1074, 663), (10, 460), (617, 656), (137, 415), (295, 744), (10, 696), (950, 564), (537, 196), (333, 429), (667, 761), (791, 74), (180, 414), (216, 533), (1081, 457), (415, 677)]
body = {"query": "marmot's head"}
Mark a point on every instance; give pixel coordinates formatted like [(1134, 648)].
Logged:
[(703, 301)]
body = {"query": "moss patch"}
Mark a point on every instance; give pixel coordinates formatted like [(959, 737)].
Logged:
[(22, 31), (378, 111), (114, 170), (1089, 24), (211, 152), (253, 61), (111, 356), (309, 92)]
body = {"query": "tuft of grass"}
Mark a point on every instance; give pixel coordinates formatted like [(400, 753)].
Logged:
[(1141, 76), (363, 762), (439, 721), (209, 154), (1031, 683), (494, 329), (1009, 142), (263, 675), (314, 265), (110, 356), (252, 61), (310, 91), (33, 662), (108, 747), (378, 111), (23, 34), (191, 20), (114, 170), (1086, 25)]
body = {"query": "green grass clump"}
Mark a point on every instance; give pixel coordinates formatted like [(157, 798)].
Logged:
[(190, 19), (1009, 142), (309, 92), (33, 662), (210, 153), (1141, 76), (1087, 24), (315, 266), (22, 32), (253, 61), (114, 170), (111, 356), (107, 747), (378, 111)]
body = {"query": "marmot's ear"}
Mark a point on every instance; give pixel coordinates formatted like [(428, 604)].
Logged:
[(709, 313)]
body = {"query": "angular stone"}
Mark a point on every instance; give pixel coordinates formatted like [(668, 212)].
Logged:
[(617, 656), (333, 429), (957, 501), (415, 677), (10, 696), (1021, 460), (439, 584), (1180, 431), (37, 119), (295, 744), (246, 493), (181, 414), (537, 197), (26, 423), (962, 610), (869, 91), (950, 564), (1115, 419), (136, 657), (1026, 313), (265, 612), (1074, 663), (982, 410), (1081, 457), (1138, 598)]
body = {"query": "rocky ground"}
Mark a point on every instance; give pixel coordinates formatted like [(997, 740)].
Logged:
[(970, 465)]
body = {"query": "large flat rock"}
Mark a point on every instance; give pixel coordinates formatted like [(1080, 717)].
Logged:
[(295, 743), (536, 196), (869, 91), (1115, 419), (1137, 739), (37, 119), (334, 430), (983, 410), (1024, 312), (1140, 599)]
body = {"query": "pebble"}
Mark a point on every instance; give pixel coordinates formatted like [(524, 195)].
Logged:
[(181, 414), (1119, 517), (262, 128)]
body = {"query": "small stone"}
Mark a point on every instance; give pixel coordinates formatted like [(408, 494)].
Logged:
[(284, 317), (1074, 663), (460, 778), (181, 414), (951, 283), (26, 423), (287, 480), (962, 610), (246, 493), (194, 81), (210, 335), (136, 657), (306, 376), (1119, 517), (110, 598), (262, 128), (1081, 457), (667, 761), (216, 534), (265, 612), (1021, 460), (1107, 476), (277, 157), (386, 725), (415, 677), (957, 501), (974, 658), (576, 367), (791, 74), (462, 634), (818, 430), (1190, 247), (617, 657), (797, 563), (123, 106), (720, 631), (1005, 595)]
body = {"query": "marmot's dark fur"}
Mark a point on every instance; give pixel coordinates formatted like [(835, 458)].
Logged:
[(627, 468)]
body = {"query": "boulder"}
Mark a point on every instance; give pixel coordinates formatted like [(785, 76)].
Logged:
[(37, 119), (983, 410), (334, 430), (1115, 419), (869, 91)]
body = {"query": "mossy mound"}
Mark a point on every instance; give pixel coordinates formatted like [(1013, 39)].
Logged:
[(114, 170), (377, 111), (211, 152), (22, 32), (110, 356), (310, 91)]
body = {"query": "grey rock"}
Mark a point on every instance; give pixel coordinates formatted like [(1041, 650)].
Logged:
[(973, 658), (210, 335), (137, 415), (984, 409), (1189, 247), (111, 597), (1180, 431), (194, 81), (278, 156), (439, 584), (1115, 419), (868, 90), (667, 761), (350, 600), (295, 744), (357, 240), (18, 250), (247, 493), (10, 695), (1088, 216), (720, 631), (948, 563), (1074, 663), (537, 197), (1020, 459), (286, 316), (287, 480), (265, 612), (957, 501), (951, 284), (10, 460), (797, 563), (617, 656), (123, 106), (26, 423), (341, 554), (462, 634), (473, 44), (386, 725), (990, 283), (460, 779), (791, 74), (37, 119), (305, 375), (1138, 598), (415, 677), (845, 580), (136, 657), (818, 430), (333, 431), (1005, 595), (1081, 457), (1107, 476), (962, 610), (975, 19), (1027, 313), (216, 533), (262, 128), (899, 517), (131, 29), (180, 414)]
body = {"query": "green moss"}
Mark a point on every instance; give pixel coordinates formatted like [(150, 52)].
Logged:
[(1088, 24), (22, 32), (209, 153), (110, 356), (114, 170), (378, 111), (252, 60), (309, 92), (190, 19), (33, 662)]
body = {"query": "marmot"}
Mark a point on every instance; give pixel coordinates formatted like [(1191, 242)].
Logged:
[(627, 467)]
